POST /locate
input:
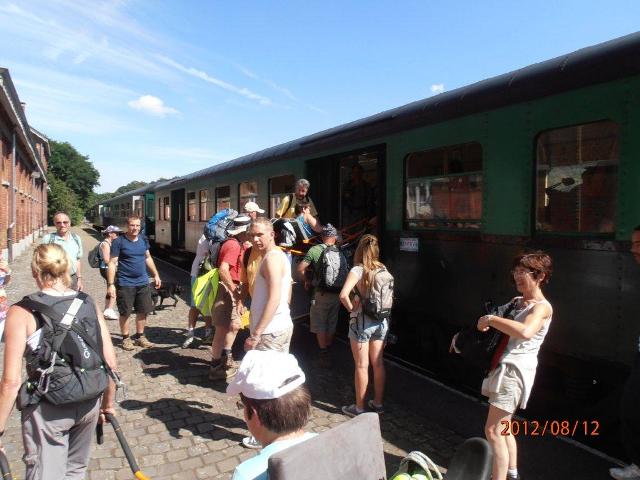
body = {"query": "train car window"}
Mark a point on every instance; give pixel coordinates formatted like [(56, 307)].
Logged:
[(223, 198), (191, 206), (278, 188), (444, 187), (577, 178), (160, 209), (137, 208), (203, 206), (247, 192), (167, 208)]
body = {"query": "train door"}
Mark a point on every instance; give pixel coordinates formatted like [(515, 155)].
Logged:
[(149, 215), (348, 189), (177, 219)]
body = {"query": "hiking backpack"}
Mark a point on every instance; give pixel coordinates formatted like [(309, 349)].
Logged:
[(66, 365), (331, 270), (379, 299), (215, 231), (95, 256)]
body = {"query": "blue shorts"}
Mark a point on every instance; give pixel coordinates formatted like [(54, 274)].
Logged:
[(364, 329)]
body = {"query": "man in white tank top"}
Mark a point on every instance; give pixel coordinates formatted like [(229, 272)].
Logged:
[(270, 322)]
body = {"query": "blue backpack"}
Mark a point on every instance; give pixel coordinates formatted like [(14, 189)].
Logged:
[(216, 228)]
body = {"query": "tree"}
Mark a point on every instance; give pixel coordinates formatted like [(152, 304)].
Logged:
[(62, 199), (130, 186), (75, 171)]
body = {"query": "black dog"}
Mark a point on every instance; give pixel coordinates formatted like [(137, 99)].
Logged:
[(167, 290)]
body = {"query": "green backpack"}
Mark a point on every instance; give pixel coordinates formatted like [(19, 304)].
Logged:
[(417, 466)]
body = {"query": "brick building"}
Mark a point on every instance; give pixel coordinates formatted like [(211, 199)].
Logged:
[(24, 154)]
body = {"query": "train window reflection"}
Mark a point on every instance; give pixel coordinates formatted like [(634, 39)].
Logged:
[(191, 206), (577, 178), (223, 198), (203, 206), (167, 208), (278, 188), (444, 187), (247, 192)]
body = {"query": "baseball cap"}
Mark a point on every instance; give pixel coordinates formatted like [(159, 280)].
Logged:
[(240, 224), (329, 231), (252, 207), (267, 374), (111, 229)]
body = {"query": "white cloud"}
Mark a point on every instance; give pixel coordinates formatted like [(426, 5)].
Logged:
[(437, 88), (245, 92), (152, 106)]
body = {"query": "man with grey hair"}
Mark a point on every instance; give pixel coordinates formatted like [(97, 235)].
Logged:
[(72, 246), (301, 194)]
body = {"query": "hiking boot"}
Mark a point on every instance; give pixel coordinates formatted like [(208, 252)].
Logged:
[(143, 342), (630, 472), (127, 344), (379, 409), (189, 340), (222, 371), (511, 477), (351, 410), (251, 442), (110, 314)]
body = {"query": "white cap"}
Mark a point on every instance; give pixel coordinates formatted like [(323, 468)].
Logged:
[(240, 224), (252, 207), (266, 374)]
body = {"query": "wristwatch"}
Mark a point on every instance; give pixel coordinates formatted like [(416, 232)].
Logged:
[(110, 284)]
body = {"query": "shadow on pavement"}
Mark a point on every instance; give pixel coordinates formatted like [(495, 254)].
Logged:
[(190, 415)]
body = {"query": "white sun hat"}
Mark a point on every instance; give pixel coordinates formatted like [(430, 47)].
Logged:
[(266, 374)]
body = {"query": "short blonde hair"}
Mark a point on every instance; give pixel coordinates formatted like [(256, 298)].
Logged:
[(50, 263)]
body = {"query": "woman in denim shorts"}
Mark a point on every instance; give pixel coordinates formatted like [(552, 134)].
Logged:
[(367, 334)]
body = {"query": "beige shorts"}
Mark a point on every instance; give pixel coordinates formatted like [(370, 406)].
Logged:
[(224, 312), (323, 315), (278, 341), (510, 393)]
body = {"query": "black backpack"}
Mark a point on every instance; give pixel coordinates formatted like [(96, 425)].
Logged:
[(67, 365), (479, 348), (331, 270)]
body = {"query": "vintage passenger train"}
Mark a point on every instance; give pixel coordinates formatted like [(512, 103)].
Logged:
[(543, 157)]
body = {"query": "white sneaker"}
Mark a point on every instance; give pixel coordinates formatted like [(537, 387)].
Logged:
[(189, 340), (110, 314), (251, 442), (631, 472)]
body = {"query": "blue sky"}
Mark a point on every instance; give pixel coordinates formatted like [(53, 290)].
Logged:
[(151, 88)]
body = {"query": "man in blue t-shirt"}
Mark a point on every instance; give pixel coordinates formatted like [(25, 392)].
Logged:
[(130, 257)]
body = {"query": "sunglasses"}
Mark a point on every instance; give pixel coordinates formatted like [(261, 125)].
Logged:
[(64, 222)]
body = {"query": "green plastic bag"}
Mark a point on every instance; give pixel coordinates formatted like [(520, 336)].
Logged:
[(205, 291)]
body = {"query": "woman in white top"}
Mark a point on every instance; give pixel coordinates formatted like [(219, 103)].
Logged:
[(110, 234), (508, 385), (366, 334)]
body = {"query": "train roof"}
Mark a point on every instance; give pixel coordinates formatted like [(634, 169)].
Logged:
[(138, 191), (599, 63)]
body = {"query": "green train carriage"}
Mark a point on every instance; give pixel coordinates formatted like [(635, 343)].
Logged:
[(543, 157)]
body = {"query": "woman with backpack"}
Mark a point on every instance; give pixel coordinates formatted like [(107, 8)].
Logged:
[(66, 393), (110, 234), (369, 309)]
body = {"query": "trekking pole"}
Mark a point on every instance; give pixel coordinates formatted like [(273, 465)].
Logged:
[(125, 448), (5, 470)]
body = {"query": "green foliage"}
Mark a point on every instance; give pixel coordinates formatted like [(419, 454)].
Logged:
[(63, 199), (75, 171), (129, 186)]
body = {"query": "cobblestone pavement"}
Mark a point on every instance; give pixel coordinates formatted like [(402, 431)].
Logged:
[(182, 426)]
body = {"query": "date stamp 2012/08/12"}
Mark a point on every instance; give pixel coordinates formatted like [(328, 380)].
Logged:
[(540, 428)]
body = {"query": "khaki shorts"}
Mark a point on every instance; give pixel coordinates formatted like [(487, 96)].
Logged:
[(510, 393), (323, 315), (224, 312), (278, 341)]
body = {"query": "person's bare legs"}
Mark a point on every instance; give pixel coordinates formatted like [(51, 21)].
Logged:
[(499, 443), (376, 348), (361, 358)]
